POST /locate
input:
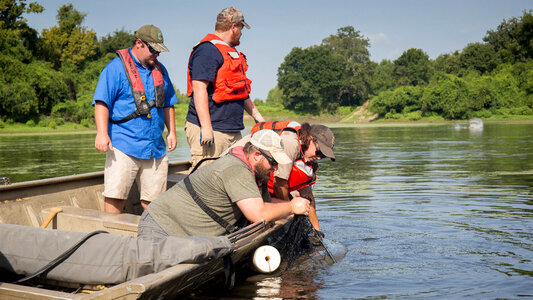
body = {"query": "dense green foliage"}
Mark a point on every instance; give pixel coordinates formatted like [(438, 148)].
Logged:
[(49, 78), (327, 76), (485, 79)]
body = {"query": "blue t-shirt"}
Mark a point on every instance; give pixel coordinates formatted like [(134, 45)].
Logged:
[(140, 137), (203, 65)]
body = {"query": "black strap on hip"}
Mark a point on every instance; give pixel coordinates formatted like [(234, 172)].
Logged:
[(229, 228)]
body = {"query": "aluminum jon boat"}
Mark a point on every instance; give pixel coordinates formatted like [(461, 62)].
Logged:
[(81, 203)]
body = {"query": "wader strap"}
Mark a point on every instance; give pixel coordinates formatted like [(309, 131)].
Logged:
[(134, 114), (201, 162), (54, 263), (229, 228)]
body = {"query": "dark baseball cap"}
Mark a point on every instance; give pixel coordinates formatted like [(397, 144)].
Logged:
[(325, 139), (153, 36)]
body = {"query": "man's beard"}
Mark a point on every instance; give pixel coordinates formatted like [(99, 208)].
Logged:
[(150, 63), (235, 40), (262, 174)]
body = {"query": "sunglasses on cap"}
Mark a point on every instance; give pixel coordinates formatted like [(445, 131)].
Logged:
[(152, 50), (270, 159)]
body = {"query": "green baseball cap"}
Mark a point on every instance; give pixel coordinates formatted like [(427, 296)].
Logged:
[(153, 36)]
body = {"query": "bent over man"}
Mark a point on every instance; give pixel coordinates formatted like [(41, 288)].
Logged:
[(305, 145), (133, 101), (229, 189), (220, 89)]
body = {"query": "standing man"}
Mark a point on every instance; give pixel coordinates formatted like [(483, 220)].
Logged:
[(220, 90), (133, 101)]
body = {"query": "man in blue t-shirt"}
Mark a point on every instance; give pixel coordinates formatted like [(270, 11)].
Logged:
[(217, 83), (130, 124)]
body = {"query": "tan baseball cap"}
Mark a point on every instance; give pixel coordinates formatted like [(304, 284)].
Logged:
[(271, 142), (153, 36), (325, 139), (232, 15)]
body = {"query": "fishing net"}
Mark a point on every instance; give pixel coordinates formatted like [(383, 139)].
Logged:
[(296, 242)]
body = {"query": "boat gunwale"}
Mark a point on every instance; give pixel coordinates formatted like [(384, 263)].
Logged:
[(143, 286), (70, 178)]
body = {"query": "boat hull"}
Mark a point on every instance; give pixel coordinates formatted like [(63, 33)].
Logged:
[(81, 201)]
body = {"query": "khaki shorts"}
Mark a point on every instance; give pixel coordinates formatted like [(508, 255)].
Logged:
[(121, 170), (223, 140)]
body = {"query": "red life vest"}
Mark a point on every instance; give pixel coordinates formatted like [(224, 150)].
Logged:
[(302, 175), (231, 82), (137, 87)]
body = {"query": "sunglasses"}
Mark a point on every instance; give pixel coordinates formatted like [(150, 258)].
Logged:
[(270, 159), (318, 153), (152, 50)]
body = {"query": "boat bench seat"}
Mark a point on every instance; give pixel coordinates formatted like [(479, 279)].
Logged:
[(174, 178), (88, 220)]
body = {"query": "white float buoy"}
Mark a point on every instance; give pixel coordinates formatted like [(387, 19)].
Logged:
[(266, 259)]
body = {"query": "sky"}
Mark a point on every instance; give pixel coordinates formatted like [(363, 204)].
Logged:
[(392, 26)]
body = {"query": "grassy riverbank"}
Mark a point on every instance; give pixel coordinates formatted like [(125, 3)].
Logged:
[(345, 116)]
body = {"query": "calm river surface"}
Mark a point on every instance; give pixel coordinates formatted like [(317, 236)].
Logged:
[(422, 212)]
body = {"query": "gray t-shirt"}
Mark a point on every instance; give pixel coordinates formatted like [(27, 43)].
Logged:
[(220, 185)]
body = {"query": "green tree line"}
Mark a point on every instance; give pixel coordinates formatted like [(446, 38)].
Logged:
[(50, 77), (493, 77)]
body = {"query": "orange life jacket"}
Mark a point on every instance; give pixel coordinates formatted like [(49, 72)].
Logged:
[(277, 126), (137, 87), (302, 175), (231, 82)]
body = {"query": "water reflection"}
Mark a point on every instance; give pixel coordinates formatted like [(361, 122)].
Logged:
[(420, 211), (29, 157), (430, 212)]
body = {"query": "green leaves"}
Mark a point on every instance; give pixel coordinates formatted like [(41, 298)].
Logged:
[(322, 78), (62, 81), (309, 79), (69, 42), (412, 67)]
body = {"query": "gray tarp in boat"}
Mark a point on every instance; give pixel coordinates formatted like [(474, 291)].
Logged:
[(103, 258)]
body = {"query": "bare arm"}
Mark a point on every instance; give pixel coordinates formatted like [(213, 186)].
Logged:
[(281, 188), (252, 110), (313, 218), (101, 117), (170, 122), (201, 102), (254, 209)]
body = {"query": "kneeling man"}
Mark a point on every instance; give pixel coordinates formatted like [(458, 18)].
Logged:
[(211, 201)]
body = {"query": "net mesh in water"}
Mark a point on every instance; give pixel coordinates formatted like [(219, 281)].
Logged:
[(296, 242)]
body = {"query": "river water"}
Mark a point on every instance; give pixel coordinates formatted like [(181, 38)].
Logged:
[(427, 212)]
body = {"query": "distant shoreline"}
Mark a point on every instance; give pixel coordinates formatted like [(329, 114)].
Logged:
[(20, 130)]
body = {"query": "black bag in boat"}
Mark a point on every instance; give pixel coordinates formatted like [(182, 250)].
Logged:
[(103, 258)]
